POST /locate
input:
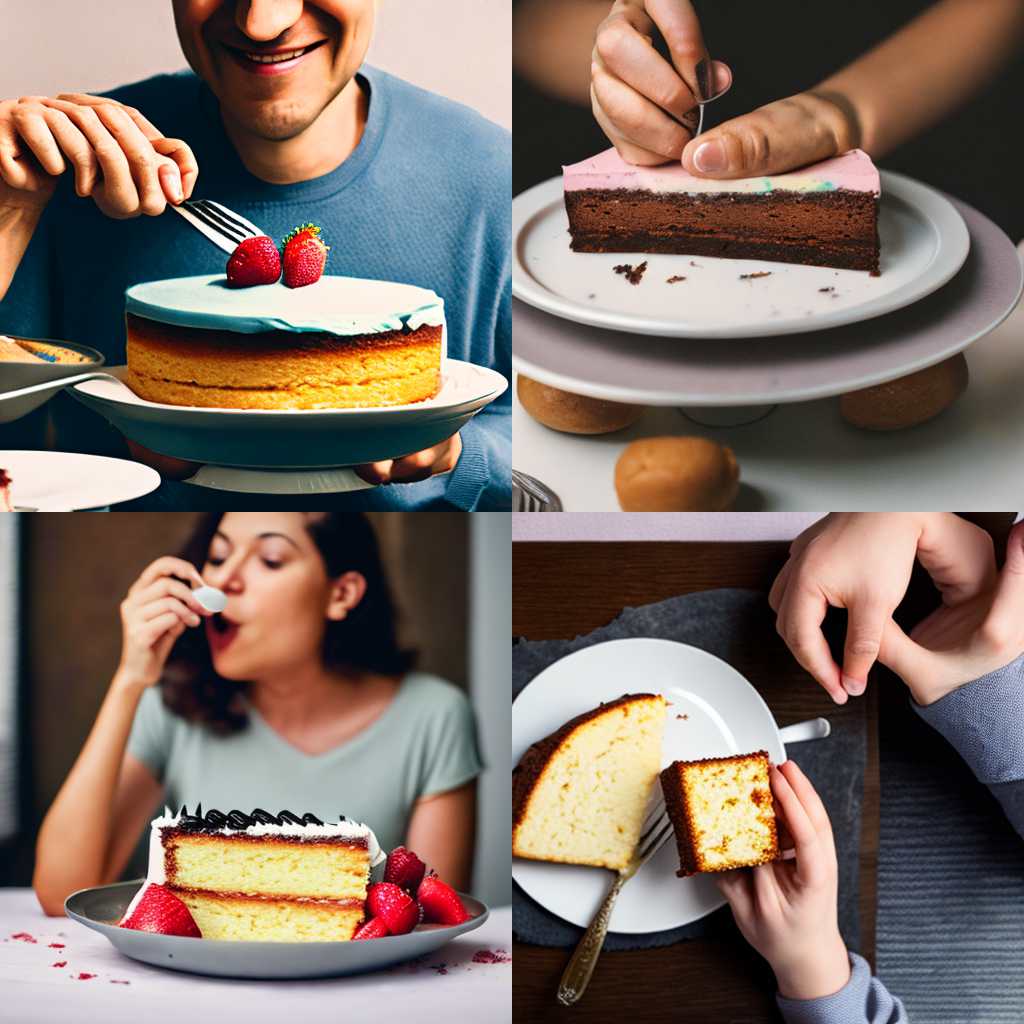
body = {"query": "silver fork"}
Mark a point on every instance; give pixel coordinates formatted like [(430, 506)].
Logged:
[(657, 829), (222, 226), (530, 495)]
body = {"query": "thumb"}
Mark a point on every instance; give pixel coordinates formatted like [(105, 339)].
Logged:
[(863, 638), (1007, 609), (786, 134), (908, 659)]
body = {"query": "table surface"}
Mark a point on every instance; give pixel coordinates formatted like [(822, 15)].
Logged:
[(441, 987), (562, 589), (805, 456)]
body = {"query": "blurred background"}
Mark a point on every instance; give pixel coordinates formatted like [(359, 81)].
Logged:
[(63, 575)]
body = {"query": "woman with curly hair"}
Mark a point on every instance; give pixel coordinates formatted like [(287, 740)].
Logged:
[(297, 696)]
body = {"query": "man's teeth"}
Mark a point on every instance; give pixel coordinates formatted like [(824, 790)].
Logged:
[(275, 58)]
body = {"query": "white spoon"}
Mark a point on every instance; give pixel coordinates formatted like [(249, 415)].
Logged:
[(212, 599)]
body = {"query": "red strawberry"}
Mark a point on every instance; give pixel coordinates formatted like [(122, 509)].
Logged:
[(254, 261), (304, 256), (404, 868), (440, 902), (162, 912), (375, 928), (399, 910)]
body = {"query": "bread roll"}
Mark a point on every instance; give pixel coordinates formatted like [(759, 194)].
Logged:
[(574, 414), (676, 474)]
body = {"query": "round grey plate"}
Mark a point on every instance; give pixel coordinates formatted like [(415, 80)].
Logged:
[(663, 371), (98, 908)]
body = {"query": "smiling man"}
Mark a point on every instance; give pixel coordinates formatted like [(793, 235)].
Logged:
[(280, 120)]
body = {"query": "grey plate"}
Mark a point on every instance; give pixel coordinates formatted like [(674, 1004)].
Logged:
[(97, 908), (23, 375)]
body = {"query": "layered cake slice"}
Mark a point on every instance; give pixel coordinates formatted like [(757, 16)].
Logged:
[(722, 812), (822, 215), (579, 795), (264, 877)]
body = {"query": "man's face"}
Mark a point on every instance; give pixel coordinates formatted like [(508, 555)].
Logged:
[(275, 64)]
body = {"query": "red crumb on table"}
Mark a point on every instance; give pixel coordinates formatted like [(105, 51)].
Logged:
[(491, 956), (55, 945), (82, 976), (60, 963), (23, 937)]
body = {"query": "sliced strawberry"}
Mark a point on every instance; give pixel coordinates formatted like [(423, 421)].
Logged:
[(254, 261), (162, 912), (400, 912), (404, 868), (375, 928), (305, 256), (440, 902)]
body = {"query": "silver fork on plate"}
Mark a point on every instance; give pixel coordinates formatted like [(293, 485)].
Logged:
[(222, 226), (657, 829)]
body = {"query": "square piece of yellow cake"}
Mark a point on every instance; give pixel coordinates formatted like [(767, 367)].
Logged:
[(722, 811)]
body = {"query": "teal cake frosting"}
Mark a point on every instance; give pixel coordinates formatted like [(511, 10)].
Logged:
[(333, 305)]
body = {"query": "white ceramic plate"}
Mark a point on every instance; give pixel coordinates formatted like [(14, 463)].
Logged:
[(924, 243), (295, 438), (98, 908), (66, 482), (724, 715)]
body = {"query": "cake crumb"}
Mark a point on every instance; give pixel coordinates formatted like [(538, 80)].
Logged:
[(633, 274), (692, 264), (119, 981), (757, 273), (592, 295), (685, 718), (83, 976), (829, 289), (55, 945), (489, 956), (60, 963), (674, 278)]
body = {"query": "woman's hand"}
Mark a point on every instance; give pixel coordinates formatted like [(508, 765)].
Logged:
[(644, 104), (965, 641), (156, 611), (862, 561), (418, 466), (788, 910), (118, 157)]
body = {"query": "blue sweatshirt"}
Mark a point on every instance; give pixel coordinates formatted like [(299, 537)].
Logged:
[(984, 721), (424, 199)]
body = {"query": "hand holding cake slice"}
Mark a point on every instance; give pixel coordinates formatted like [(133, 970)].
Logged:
[(823, 215)]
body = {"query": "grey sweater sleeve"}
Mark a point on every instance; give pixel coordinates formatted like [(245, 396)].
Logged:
[(862, 1000), (984, 721)]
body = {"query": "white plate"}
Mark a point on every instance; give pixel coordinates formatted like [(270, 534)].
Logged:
[(725, 715), (295, 438), (66, 482), (924, 243), (97, 908)]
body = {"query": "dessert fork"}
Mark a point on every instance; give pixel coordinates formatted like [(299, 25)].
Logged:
[(222, 226), (530, 495), (657, 829)]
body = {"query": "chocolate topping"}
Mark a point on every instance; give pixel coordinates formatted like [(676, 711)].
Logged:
[(214, 820)]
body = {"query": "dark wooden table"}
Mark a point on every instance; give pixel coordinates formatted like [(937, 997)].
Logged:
[(564, 589)]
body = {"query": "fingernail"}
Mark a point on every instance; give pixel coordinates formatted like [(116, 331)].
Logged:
[(172, 180), (702, 73), (710, 158), (854, 687)]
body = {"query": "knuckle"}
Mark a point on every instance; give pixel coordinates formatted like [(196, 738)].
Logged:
[(611, 40), (866, 645)]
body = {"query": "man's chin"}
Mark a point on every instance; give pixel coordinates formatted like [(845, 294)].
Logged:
[(273, 122)]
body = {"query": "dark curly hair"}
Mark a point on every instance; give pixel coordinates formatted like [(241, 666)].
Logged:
[(365, 640)]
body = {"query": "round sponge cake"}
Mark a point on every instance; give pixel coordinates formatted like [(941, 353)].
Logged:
[(339, 343)]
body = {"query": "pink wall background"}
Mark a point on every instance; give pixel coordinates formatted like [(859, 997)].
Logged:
[(575, 526), (459, 48)]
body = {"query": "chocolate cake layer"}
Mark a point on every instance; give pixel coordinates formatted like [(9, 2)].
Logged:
[(836, 228)]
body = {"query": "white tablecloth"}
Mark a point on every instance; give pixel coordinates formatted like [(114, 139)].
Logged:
[(446, 986)]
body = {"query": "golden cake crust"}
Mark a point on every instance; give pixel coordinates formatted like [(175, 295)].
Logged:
[(281, 369), (528, 772)]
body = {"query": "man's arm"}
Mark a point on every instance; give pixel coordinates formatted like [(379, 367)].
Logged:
[(482, 479)]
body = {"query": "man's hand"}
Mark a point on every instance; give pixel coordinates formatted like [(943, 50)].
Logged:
[(118, 157), (639, 99), (418, 466), (862, 561), (965, 641)]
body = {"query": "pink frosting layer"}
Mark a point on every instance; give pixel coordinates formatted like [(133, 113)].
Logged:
[(853, 170)]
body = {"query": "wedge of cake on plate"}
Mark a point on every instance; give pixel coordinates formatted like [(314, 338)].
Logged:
[(722, 812), (823, 215), (579, 795)]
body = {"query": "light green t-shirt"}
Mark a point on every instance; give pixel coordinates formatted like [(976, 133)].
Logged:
[(423, 743)]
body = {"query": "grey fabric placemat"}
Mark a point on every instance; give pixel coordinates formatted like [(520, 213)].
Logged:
[(729, 623), (950, 929)]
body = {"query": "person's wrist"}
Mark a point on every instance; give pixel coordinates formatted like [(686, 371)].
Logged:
[(813, 973), (128, 683), (834, 109)]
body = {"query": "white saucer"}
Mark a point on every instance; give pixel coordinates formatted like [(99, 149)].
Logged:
[(724, 715), (924, 243), (66, 482), (295, 438)]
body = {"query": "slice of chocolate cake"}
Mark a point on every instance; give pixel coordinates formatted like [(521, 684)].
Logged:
[(823, 215)]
